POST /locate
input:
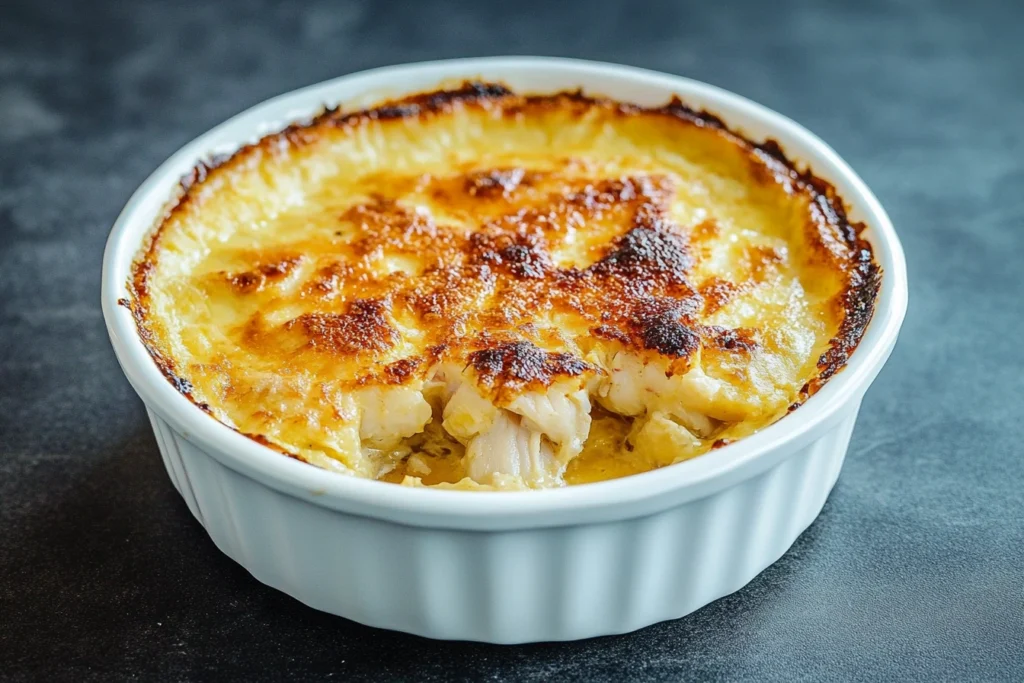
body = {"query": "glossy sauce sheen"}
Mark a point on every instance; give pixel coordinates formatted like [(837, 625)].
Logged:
[(307, 290)]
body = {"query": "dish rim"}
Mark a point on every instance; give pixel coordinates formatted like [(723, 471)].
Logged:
[(611, 499)]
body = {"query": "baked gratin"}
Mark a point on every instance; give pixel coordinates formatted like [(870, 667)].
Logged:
[(474, 288)]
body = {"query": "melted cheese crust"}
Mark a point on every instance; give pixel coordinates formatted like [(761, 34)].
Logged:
[(622, 287)]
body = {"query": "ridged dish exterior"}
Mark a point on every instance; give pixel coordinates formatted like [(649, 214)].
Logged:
[(557, 583)]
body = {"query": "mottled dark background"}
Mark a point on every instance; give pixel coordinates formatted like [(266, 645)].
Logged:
[(915, 569)]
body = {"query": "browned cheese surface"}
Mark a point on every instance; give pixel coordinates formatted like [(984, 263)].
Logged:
[(328, 289)]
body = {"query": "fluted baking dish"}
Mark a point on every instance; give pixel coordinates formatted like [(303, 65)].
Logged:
[(508, 567)]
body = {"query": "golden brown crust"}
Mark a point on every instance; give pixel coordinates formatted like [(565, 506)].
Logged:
[(515, 366), (362, 327), (858, 306), (832, 228), (637, 292)]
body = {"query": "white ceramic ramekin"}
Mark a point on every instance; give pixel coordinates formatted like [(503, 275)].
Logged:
[(560, 564)]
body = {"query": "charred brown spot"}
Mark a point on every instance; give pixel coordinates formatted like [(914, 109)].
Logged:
[(762, 261), (426, 103), (716, 293), (494, 182), (604, 194), (704, 231), (201, 171), (610, 333), (364, 327), (650, 253), (522, 363), (180, 383), (140, 281), (255, 279), (524, 261), (739, 340), (401, 370), (771, 149), (676, 107), (330, 279), (247, 281), (522, 255), (436, 351), (858, 304), (198, 175), (669, 337), (471, 91), (659, 326)]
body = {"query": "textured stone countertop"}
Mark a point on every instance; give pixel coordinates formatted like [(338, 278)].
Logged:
[(915, 569)]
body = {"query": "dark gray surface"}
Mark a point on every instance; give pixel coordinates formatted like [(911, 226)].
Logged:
[(913, 571)]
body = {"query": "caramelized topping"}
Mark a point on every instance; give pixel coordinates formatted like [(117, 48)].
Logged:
[(525, 240)]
